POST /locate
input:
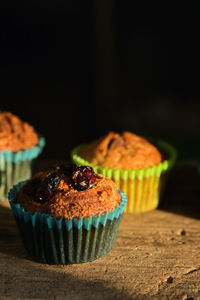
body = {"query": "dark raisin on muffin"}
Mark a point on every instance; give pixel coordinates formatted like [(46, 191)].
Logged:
[(69, 192)]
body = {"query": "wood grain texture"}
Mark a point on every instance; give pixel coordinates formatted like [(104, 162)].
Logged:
[(156, 255)]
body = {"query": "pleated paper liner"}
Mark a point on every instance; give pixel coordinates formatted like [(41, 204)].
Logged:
[(143, 187), (17, 166), (73, 241)]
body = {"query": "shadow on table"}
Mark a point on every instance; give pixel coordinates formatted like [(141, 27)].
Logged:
[(182, 193), (23, 278)]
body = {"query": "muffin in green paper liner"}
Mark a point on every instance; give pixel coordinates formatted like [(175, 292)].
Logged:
[(142, 185), (69, 225), (20, 145)]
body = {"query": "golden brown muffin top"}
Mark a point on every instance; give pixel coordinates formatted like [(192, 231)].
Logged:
[(121, 151), (75, 194), (15, 134)]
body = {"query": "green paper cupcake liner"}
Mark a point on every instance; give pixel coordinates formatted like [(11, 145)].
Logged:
[(73, 241), (143, 187), (17, 166)]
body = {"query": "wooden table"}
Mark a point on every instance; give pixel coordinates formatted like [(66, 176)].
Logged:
[(156, 255)]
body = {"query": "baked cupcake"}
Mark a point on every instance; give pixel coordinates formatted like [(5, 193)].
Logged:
[(68, 214), (19, 146), (138, 166)]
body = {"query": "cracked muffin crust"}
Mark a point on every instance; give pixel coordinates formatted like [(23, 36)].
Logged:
[(15, 134), (54, 192), (125, 151)]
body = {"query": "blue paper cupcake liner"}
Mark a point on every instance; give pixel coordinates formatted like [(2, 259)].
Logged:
[(17, 166), (63, 241)]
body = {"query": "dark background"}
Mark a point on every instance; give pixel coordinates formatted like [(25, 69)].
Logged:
[(77, 69)]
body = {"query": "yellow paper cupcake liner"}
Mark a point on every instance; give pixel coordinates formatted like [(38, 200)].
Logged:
[(143, 187)]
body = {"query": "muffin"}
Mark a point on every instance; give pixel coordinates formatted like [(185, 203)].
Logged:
[(139, 167), (19, 146), (68, 214)]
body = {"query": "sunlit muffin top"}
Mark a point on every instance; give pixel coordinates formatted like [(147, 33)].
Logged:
[(15, 134), (69, 192), (121, 151)]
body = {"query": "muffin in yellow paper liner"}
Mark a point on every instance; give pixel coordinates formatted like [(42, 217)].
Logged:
[(143, 187)]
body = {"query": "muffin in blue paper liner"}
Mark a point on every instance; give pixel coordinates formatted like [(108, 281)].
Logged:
[(20, 145), (61, 241), (17, 166)]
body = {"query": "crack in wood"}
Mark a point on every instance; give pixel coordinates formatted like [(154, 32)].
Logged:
[(192, 271)]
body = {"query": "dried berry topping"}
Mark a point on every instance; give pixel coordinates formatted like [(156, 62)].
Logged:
[(34, 186), (47, 187), (83, 178), (116, 142), (67, 169)]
